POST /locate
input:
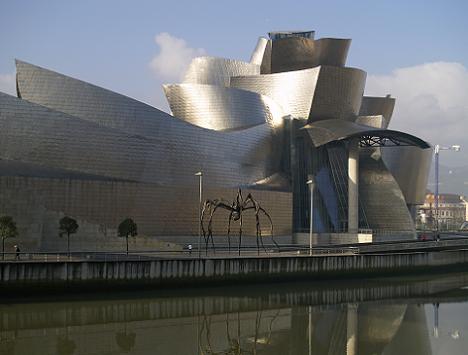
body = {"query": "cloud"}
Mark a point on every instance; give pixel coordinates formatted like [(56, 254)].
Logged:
[(431, 102), (7, 84), (173, 58)]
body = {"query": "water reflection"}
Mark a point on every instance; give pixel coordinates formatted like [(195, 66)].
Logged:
[(405, 316)]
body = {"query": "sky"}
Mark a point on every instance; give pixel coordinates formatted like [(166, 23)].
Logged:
[(417, 51)]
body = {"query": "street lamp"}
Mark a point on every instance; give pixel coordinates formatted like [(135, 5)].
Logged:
[(311, 184), (437, 149), (200, 175)]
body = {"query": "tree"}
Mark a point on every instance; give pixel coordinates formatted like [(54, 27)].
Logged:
[(7, 230), (127, 228), (67, 226)]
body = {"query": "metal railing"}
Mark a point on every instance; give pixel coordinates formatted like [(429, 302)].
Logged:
[(219, 252)]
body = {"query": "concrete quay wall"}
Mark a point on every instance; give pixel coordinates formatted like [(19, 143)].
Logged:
[(159, 273)]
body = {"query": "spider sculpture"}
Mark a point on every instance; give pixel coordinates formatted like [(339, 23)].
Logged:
[(238, 206)]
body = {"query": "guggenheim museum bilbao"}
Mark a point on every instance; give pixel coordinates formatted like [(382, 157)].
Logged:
[(295, 112)]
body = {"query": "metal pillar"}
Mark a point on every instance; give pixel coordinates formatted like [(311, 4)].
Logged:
[(436, 195), (437, 149), (353, 186), (200, 187), (311, 184)]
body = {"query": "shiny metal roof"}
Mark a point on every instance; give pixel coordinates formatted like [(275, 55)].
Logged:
[(217, 71), (221, 108)]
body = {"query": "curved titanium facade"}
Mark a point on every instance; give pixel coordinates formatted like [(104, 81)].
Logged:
[(221, 108), (265, 68), (34, 134), (86, 101), (106, 108), (377, 121), (293, 91), (331, 51), (62, 141), (217, 71), (410, 166), (296, 53), (319, 93), (373, 106), (338, 93), (383, 202), (259, 52)]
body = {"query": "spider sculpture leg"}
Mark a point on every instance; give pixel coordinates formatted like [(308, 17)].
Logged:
[(214, 205), (259, 232), (271, 227), (229, 231), (206, 209), (240, 234), (251, 203), (210, 230)]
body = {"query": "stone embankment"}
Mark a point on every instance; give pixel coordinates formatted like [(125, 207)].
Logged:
[(183, 272)]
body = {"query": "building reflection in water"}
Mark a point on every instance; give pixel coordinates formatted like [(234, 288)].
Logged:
[(276, 319)]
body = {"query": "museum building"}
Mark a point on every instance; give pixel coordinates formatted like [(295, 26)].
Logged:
[(294, 113)]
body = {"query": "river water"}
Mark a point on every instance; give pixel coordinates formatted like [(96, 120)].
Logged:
[(418, 315)]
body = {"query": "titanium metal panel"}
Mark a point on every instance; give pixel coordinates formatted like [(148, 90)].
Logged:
[(19, 168), (338, 93), (410, 167), (265, 68), (275, 182), (376, 121), (292, 53), (259, 51), (221, 108), (171, 153), (332, 51), (293, 91), (34, 134), (320, 93), (229, 158), (383, 202), (372, 106), (217, 71), (295, 53), (326, 131), (92, 103)]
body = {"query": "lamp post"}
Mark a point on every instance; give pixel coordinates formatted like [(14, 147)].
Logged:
[(437, 149), (311, 184), (200, 191)]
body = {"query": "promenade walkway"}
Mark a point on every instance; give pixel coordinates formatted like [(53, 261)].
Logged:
[(222, 252)]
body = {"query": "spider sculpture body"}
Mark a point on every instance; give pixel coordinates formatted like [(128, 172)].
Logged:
[(236, 209)]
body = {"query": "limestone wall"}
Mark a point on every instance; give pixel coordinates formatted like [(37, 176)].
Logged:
[(37, 204)]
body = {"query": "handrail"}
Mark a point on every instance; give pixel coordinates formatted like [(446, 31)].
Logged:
[(247, 251)]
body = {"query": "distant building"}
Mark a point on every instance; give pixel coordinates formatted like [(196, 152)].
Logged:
[(452, 212)]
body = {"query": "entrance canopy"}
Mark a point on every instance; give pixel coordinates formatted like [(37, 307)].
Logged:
[(326, 131)]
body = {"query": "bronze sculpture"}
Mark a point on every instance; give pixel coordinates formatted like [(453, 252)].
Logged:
[(238, 206)]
